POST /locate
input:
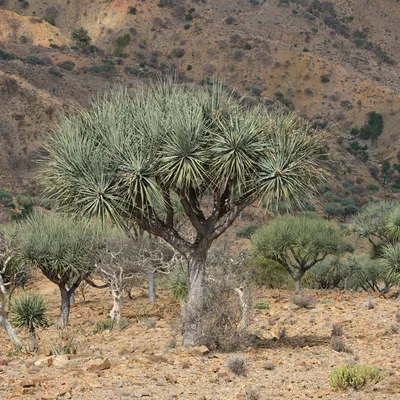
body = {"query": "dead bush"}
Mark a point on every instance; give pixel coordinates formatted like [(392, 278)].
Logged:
[(303, 300), (337, 330), (238, 365), (253, 394), (339, 345)]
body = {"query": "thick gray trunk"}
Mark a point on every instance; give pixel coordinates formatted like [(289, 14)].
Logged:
[(297, 282), (65, 306), (152, 286), (72, 299), (118, 302), (194, 304)]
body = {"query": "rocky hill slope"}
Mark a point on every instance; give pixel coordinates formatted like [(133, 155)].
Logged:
[(332, 62)]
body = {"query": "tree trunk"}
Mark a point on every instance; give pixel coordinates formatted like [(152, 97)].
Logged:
[(72, 299), (65, 306), (194, 305), (118, 302), (297, 282), (4, 318), (10, 330), (243, 306), (152, 285), (33, 343)]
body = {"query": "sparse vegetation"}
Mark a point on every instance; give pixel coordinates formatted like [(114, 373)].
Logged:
[(237, 364), (355, 377)]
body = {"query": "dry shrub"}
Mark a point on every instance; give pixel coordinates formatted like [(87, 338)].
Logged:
[(339, 345), (253, 393), (238, 365), (303, 300), (337, 330), (224, 313)]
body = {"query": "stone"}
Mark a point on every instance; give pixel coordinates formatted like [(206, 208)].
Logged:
[(61, 361), (44, 361), (201, 350), (99, 364)]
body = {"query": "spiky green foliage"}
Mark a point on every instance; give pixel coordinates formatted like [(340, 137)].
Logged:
[(179, 282), (60, 247), (390, 263), (130, 152), (379, 222), (353, 272), (355, 376), (298, 243), (28, 310)]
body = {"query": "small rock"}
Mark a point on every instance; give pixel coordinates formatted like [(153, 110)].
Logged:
[(61, 361), (44, 361), (99, 364), (201, 350)]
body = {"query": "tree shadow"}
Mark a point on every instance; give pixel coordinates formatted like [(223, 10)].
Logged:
[(293, 342)]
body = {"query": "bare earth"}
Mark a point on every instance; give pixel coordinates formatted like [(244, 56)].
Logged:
[(142, 362)]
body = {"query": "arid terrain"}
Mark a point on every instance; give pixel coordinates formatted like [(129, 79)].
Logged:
[(145, 360), (332, 62)]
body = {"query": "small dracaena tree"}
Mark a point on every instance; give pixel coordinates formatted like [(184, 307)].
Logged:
[(298, 243), (379, 223), (5, 263), (129, 153), (29, 310), (63, 249)]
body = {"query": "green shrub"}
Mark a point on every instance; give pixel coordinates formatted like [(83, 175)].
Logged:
[(132, 10), (256, 91), (102, 326), (54, 46), (269, 274), (179, 282), (247, 231), (333, 209), (187, 26), (55, 73), (50, 19), (33, 60), (324, 78), (6, 198), (133, 71), (68, 65), (81, 36), (355, 376), (5, 56), (260, 305)]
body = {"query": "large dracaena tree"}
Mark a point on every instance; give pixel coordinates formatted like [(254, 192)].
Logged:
[(62, 248), (129, 153)]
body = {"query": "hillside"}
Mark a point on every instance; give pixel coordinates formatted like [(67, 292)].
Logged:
[(275, 51)]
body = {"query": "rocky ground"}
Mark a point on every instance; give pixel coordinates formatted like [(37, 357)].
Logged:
[(145, 359)]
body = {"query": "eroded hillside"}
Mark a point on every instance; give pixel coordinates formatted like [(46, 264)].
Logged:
[(331, 61)]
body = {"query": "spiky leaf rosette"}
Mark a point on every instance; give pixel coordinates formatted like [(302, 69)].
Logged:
[(29, 310)]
